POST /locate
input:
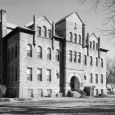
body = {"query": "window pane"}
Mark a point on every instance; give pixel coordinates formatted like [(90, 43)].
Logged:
[(29, 74), (49, 53), (101, 78), (101, 62), (49, 92), (30, 93), (39, 52), (79, 39), (29, 50), (75, 56), (40, 93), (85, 60), (96, 78), (45, 31), (57, 55), (70, 56), (71, 36), (48, 75), (79, 57), (91, 78), (49, 32), (39, 31), (39, 74)]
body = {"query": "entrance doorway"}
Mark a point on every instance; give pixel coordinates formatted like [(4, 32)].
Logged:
[(74, 83)]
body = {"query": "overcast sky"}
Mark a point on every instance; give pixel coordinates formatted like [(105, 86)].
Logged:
[(20, 12)]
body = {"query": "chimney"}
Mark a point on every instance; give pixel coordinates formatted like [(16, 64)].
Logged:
[(98, 47), (83, 35), (87, 43), (34, 28), (3, 23), (53, 29)]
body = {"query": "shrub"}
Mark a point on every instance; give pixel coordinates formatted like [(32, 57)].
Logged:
[(69, 93), (2, 90)]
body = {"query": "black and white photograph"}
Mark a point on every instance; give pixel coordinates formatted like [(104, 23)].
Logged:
[(57, 57)]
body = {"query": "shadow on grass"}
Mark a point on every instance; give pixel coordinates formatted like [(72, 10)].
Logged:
[(46, 109)]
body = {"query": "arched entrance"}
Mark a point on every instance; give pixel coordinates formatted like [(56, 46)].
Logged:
[(74, 83)]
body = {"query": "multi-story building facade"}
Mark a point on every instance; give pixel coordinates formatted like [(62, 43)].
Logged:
[(44, 58)]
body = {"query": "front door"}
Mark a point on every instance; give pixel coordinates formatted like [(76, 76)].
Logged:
[(74, 83)]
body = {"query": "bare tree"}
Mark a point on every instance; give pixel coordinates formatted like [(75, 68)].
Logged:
[(108, 6), (110, 71)]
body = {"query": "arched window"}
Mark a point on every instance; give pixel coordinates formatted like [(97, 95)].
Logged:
[(79, 39), (79, 57), (101, 62), (71, 36), (91, 60), (75, 56), (39, 52), (45, 31), (85, 60), (96, 61), (70, 56), (49, 53), (93, 44), (57, 55), (75, 37), (29, 50)]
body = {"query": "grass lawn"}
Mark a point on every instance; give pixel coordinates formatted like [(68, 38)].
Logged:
[(63, 106)]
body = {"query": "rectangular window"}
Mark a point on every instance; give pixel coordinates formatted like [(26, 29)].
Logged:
[(96, 91), (49, 33), (79, 57), (48, 74), (49, 92), (91, 78), (29, 74), (40, 93), (30, 93), (70, 56), (39, 74), (96, 78), (39, 31), (102, 91), (101, 78)]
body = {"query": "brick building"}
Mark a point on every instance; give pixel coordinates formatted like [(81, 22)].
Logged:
[(44, 58)]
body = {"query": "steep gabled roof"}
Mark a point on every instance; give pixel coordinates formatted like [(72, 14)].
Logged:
[(31, 23), (93, 34), (61, 20), (17, 29)]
